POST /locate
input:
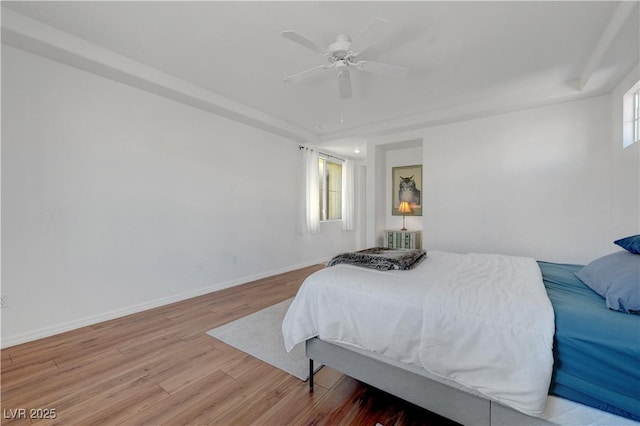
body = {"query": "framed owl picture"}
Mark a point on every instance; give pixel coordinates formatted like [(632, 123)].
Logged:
[(406, 185)]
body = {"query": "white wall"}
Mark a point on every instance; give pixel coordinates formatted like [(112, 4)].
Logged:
[(115, 200), (532, 183), (549, 182), (625, 177)]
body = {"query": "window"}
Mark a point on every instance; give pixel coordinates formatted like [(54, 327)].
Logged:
[(631, 116), (330, 176), (636, 116)]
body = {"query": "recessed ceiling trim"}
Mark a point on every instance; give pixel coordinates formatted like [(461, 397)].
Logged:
[(35, 37), (563, 93), (613, 28)]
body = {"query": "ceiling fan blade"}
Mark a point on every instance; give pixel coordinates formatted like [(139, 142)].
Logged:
[(380, 68), (344, 84), (294, 36), (369, 35), (301, 75)]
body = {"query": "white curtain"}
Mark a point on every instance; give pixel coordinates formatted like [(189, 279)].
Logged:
[(347, 195), (312, 191)]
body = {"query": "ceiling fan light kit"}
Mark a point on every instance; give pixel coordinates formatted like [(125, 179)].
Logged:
[(341, 56), (344, 84)]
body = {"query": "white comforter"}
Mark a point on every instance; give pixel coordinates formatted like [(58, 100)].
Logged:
[(483, 321)]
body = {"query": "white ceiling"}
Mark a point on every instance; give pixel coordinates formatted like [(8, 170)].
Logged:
[(459, 53)]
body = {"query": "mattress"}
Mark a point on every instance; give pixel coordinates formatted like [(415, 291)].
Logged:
[(596, 350), (442, 316)]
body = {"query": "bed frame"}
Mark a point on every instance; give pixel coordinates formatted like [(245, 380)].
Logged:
[(449, 402)]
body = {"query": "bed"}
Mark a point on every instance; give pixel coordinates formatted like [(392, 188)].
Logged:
[(393, 361)]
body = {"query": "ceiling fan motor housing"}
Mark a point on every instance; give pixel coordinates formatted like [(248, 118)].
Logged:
[(340, 48)]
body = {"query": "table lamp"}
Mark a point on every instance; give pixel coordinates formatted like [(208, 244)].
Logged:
[(404, 208)]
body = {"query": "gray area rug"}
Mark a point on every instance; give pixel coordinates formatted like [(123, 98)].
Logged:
[(260, 335)]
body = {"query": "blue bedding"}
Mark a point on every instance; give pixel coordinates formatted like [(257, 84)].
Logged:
[(596, 350)]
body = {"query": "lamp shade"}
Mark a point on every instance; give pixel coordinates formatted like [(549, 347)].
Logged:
[(404, 207)]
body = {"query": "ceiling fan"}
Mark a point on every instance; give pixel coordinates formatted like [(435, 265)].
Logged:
[(343, 54)]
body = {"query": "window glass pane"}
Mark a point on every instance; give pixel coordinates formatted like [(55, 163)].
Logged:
[(322, 192), (636, 117), (631, 116), (330, 176), (334, 190)]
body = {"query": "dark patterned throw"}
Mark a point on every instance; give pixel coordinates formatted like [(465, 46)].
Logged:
[(381, 258)]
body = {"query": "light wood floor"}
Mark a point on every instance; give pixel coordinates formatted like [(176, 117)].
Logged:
[(160, 367)]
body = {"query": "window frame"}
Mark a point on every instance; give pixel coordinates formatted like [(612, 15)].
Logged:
[(631, 116), (636, 116)]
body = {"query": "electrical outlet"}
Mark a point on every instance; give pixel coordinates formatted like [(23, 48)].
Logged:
[(3, 301)]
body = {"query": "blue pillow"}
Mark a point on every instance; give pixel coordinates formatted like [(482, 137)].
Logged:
[(616, 277), (631, 244)]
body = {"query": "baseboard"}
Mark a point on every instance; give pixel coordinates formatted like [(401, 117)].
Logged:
[(133, 309)]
